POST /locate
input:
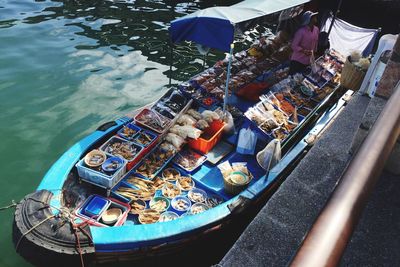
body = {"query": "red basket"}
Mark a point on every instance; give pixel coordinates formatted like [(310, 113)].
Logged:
[(214, 131)]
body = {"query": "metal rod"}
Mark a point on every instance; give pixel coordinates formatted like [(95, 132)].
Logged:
[(171, 62), (204, 61), (228, 77), (325, 243), (334, 17)]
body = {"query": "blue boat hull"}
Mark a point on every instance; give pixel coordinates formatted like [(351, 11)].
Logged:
[(55, 195)]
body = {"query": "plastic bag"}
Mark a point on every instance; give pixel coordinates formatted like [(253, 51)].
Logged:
[(168, 147), (176, 129), (201, 124), (270, 155), (210, 116), (175, 139), (191, 131), (246, 142), (225, 168), (229, 127), (186, 119), (194, 114), (312, 63)]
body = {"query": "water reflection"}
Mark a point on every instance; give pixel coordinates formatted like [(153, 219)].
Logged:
[(141, 25)]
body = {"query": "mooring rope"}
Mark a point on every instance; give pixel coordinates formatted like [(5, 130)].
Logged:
[(12, 205), (64, 214), (30, 230), (74, 226)]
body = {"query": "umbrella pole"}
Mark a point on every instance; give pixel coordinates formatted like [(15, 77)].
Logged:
[(171, 62), (204, 61), (334, 16), (228, 77)]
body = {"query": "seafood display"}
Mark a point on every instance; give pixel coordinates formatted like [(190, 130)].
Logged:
[(153, 120), (189, 160), (149, 216), (197, 195), (269, 125), (170, 190), (128, 132), (170, 104), (158, 183), (118, 147), (140, 183), (157, 191), (95, 158), (168, 216), (154, 161), (134, 194), (144, 139), (181, 203), (213, 201), (171, 174), (159, 204), (198, 208), (137, 206), (185, 183), (280, 134)]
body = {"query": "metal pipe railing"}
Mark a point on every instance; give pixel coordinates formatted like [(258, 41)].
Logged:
[(325, 243)]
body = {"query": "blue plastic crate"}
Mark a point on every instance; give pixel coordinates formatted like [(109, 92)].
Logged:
[(94, 206), (99, 178)]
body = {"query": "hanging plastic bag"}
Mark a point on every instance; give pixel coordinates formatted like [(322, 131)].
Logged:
[(229, 127), (270, 155), (312, 63), (246, 142)]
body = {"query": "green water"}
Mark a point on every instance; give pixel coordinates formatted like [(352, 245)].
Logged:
[(66, 68)]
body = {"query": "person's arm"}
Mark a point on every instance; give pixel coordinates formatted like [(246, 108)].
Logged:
[(296, 47), (316, 41)]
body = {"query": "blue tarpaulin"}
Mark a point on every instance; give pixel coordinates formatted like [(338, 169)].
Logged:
[(215, 26)]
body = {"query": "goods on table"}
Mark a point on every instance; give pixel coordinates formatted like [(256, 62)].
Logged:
[(149, 216), (189, 160), (170, 190)]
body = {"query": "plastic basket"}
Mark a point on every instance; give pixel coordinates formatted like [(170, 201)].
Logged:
[(205, 145), (99, 178), (352, 76), (234, 189), (97, 221), (139, 150)]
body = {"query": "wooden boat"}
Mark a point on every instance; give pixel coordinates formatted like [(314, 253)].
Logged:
[(84, 213)]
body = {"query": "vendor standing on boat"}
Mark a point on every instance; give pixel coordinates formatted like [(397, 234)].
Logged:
[(304, 43)]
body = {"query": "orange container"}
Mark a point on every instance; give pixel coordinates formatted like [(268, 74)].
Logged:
[(209, 138)]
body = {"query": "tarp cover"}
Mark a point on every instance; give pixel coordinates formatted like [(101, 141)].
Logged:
[(345, 37), (215, 26)]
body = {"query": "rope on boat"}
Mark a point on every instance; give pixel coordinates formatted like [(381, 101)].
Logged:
[(30, 230), (67, 216), (74, 226), (12, 205)]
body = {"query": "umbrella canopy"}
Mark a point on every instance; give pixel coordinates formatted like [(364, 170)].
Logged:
[(215, 26)]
